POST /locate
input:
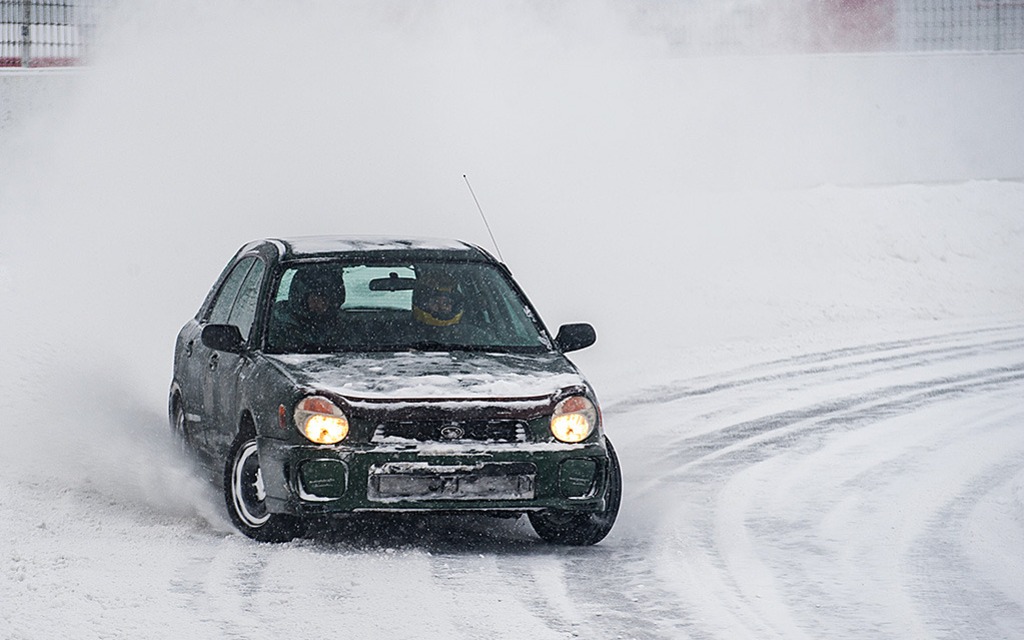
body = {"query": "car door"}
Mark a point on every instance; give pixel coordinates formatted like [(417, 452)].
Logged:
[(203, 362), (229, 372)]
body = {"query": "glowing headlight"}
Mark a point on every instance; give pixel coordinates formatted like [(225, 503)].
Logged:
[(321, 420), (573, 420)]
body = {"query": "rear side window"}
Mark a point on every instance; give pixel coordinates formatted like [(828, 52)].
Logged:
[(221, 308)]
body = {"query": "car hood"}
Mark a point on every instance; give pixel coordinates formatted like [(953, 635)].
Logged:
[(432, 375)]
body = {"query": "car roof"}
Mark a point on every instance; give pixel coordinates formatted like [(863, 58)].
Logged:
[(301, 247)]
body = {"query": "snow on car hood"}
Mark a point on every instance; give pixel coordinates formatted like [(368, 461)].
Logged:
[(432, 375)]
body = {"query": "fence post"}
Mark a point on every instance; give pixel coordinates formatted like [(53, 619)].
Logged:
[(999, 25), (26, 33)]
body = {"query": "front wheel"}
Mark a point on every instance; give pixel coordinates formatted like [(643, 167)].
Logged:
[(580, 529), (246, 498)]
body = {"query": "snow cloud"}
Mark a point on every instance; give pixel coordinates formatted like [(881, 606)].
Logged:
[(668, 200)]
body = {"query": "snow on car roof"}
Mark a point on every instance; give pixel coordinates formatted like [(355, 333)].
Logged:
[(311, 245)]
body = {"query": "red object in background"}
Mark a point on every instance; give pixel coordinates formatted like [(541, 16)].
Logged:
[(854, 25), (37, 63)]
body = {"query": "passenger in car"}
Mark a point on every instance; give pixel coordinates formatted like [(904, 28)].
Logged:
[(438, 308), (437, 302)]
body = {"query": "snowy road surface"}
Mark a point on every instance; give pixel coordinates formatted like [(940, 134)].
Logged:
[(872, 491)]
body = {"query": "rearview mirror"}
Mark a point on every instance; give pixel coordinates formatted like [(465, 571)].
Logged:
[(392, 283), (573, 337), (223, 337)]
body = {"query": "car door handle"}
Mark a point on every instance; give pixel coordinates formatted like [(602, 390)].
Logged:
[(213, 361), (188, 348)]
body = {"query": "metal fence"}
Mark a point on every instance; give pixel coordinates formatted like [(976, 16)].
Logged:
[(970, 25), (792, 26), (48, 33)]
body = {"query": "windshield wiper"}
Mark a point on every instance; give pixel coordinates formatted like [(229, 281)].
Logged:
[(429, 346), (432, 345)]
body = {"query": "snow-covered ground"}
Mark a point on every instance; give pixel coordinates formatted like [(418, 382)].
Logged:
[(806, 275)]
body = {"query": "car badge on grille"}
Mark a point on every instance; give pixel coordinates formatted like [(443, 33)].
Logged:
[(452, 432)]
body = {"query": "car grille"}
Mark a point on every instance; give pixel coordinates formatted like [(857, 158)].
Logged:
[(452, 431)]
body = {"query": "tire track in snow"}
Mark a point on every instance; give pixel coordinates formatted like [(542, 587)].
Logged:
[(498, 595), (785, 430), (886, 355), (834, 534), (221, 589), (951, 589), (870, 395), (538, 581), (588, 592), (825, 397)]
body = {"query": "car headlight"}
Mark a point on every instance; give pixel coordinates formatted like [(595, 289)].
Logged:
[(320, 420), (574, 419)]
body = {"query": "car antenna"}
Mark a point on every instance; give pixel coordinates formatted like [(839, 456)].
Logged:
[(481, 210)]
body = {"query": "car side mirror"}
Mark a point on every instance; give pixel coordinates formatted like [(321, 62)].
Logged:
[(223, 337), (573, 337)]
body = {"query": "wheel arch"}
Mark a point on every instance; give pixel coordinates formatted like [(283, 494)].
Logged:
[(247, 423)]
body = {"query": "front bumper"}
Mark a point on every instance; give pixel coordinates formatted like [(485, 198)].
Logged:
[(308, 480)]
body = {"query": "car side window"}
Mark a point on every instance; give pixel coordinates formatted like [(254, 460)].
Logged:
[(244, 310), (221, 308)]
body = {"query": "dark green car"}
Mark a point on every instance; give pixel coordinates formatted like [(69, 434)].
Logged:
[(325, 376)]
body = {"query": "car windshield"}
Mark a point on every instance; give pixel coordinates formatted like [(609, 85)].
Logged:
[(324, 307)]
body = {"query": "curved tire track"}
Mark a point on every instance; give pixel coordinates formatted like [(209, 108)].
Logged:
[(742, 476)]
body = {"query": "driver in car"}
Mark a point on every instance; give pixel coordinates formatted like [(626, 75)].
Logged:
[(311, 316)]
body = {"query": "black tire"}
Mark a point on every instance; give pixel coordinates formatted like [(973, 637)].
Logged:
[(178, 433), (581, 529), (243, 494)]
